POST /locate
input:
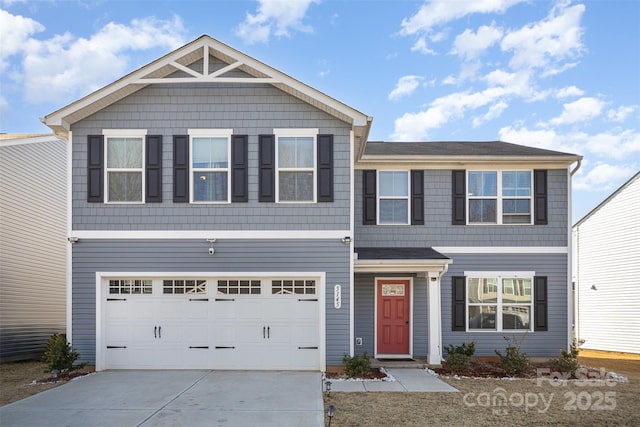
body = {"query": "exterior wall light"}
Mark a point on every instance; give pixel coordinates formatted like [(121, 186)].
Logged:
[(211, 249), (346, 240), (73, 240)]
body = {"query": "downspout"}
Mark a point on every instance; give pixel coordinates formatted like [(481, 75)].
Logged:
[(571, 301)]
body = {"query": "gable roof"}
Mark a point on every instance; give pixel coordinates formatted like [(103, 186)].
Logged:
[(175, 67), (608, 199), (462, 151)]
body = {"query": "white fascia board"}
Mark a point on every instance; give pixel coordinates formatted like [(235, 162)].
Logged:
[(28, 140), (448, 162), (399, 266), (211, 234), (502, 249)]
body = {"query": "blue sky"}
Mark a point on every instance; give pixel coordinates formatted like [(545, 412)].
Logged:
[(562, 75)]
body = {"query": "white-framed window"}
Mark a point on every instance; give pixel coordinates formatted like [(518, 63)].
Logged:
[(499, 301), (210, 157), (393, 197), (499, 197), (124, 154), (296, 165)]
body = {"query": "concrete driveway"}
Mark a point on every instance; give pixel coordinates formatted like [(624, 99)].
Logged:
[(175, 398)]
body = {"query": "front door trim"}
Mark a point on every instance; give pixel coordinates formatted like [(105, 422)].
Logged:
[(375, 319)]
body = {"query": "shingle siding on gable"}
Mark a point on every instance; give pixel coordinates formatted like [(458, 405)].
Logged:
[(438, 231), (249, 110)]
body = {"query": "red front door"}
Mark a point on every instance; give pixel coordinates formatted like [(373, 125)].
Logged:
[(393, 316)]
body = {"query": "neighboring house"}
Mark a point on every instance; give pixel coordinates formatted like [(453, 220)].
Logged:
[(228, 216), (607, 253), (33, 243)]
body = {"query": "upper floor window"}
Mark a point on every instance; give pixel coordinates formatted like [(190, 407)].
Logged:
[(296, 165), (210, 160), (124, 151), (393, 197), (499, 197)]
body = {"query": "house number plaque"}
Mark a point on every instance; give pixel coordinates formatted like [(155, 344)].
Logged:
[(337, 296)]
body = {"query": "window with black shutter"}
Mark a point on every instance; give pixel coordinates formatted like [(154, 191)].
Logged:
[(153, 169), (181, 168), (325, 168), (239, 169), (95, 168), (266, 173), (369, 197), (458, 298)]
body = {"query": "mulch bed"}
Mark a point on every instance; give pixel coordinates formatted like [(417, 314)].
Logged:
[(373, 374)]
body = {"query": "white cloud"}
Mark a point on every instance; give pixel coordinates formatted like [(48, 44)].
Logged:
[(405, 86), (64, 67), (15, 31), (416, 126), (603, 176), (438, 12), (579, 111), (569, 92), (613, 144), (421, 46), (547, 43), (621, 113), (274, 17), (470, 45), (494, 112)]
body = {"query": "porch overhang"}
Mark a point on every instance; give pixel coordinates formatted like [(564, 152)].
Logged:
[(400, 260)]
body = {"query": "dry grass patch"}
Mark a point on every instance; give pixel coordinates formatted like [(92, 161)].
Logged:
[(23, 379), (494, 402)]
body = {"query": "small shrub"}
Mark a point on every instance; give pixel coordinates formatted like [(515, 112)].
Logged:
[(356, 366), (59, 354), (515, 362), (568, 361), (459, 357)]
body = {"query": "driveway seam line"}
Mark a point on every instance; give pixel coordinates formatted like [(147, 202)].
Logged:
[(174, 398)]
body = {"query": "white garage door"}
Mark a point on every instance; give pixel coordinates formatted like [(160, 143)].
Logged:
[(210, 323)]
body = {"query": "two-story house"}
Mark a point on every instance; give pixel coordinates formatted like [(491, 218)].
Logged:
[(224, 215)]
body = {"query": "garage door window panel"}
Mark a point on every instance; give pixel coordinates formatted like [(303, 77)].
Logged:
[(239, 287), (291, 287), (130, 286), (198, 286)]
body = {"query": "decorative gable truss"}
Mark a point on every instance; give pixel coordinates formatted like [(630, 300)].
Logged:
[(206, 60)]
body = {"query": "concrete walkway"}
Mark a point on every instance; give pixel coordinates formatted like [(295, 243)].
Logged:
[(406, 379), (175, 398)]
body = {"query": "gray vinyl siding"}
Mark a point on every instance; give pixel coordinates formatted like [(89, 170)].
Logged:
[(438, 231), (251, 110), (547, 343), (364, 315), (91, 256), (32, 246)]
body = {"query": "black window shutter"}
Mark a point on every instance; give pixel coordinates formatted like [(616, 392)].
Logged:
[(95, 168), (325, 168), (239, 169), (459, 197), (417, 197), (181, 168), (267, 168), (153, 169), (459, 309), (369, 196), (540, 303), (540, 196)]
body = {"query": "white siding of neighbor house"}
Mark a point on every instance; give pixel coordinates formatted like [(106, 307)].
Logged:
[(608, 258), (32, 244)]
